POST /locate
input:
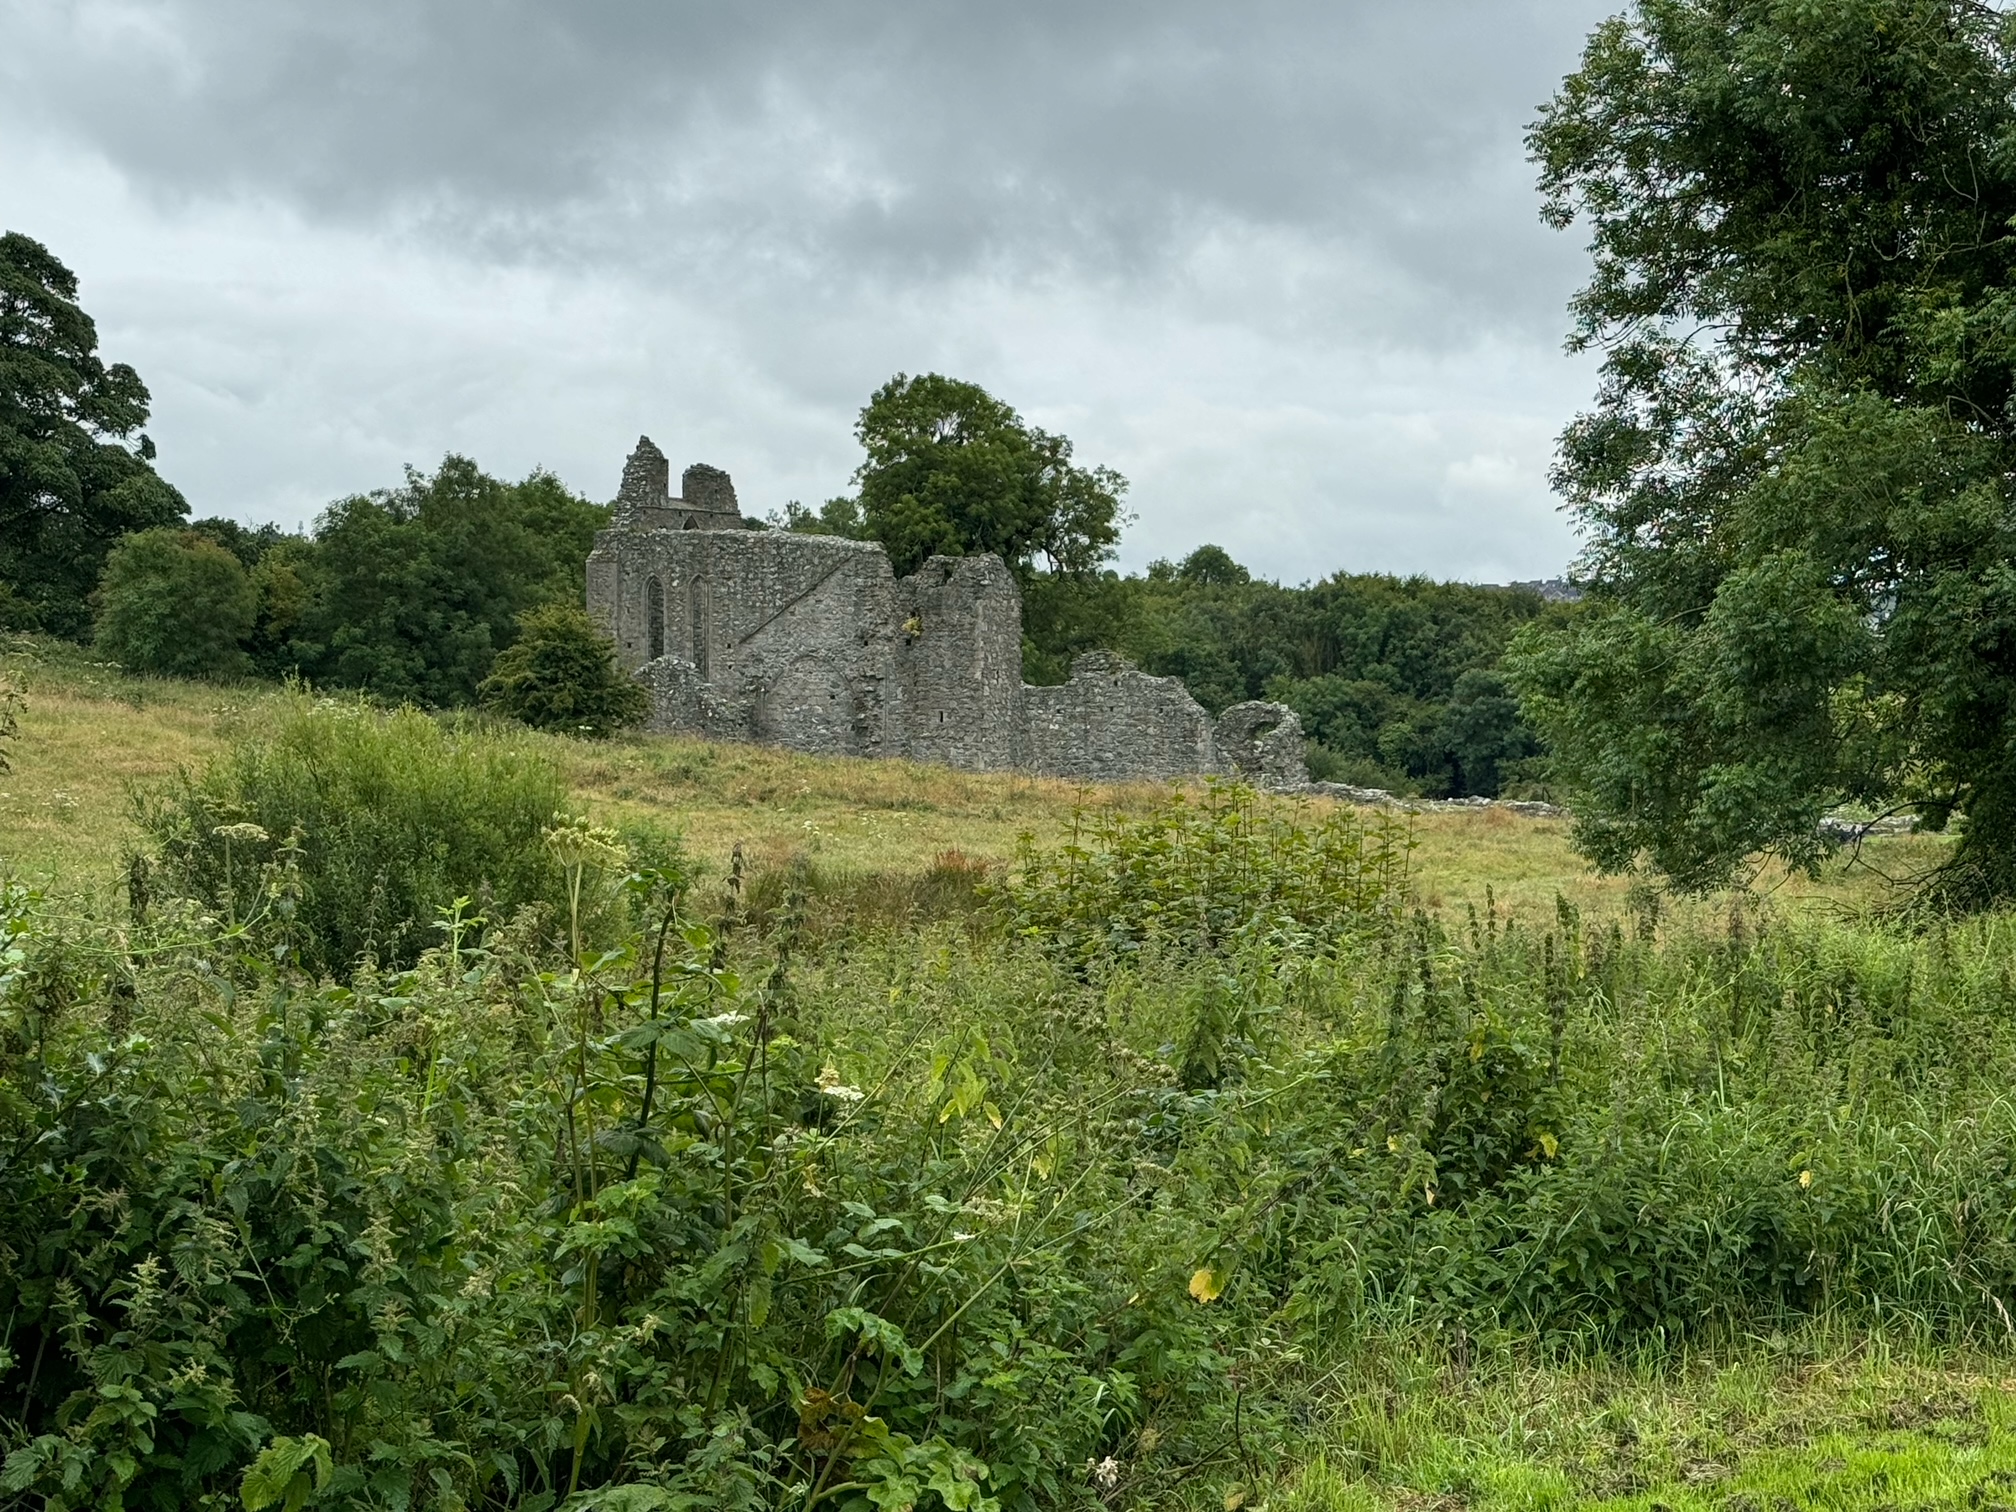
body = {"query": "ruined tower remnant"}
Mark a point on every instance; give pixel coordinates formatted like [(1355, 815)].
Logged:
[(644, 500), (813, 642)]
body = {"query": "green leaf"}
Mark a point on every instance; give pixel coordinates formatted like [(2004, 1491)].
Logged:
[(879, 1333), (282, 1473)]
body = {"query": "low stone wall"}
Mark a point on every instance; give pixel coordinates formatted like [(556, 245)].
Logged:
[(1380, 798), (1111, 723)]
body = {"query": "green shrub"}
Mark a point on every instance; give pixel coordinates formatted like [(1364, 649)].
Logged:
[(561, 675), (501, 1231), (175, 603), (1208, 872), (388, 818)]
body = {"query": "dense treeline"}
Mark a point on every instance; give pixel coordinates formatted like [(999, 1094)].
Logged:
[(1396, 679), (411, 594), (407, 593)]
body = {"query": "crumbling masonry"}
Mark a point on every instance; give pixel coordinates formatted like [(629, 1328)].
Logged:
[(813, 642)]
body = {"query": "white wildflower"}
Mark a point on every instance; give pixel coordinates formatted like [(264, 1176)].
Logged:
[(833, 1087)]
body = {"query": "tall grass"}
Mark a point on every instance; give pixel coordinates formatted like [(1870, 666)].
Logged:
[(1076, 1195), (384, 818)]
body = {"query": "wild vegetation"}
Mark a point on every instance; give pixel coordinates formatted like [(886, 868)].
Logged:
[(1185, 1159), (415, 1109)]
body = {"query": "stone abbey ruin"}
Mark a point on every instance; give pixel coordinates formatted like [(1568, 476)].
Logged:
[(812, 642)]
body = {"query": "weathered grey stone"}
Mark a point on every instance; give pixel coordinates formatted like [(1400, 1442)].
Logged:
[(683, 703), (812, 642), (959, 655), (644, 501), (646, 481), (711, 492), (1111, 723), (797, 632), (1263, 743)]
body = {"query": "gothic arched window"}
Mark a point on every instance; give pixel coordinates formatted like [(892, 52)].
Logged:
[(696, 598), (654, 611)]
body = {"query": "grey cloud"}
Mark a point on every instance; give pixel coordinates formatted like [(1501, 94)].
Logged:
[(898, 140), (1279, 262)]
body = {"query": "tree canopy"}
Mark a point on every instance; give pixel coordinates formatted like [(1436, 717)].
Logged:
[(70, 484), (951, 470), (1795, 482), (411, 592), (176, 603)]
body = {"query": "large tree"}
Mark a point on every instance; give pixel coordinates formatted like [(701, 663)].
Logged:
[(75, 468), (952, 470), (412, 592), (176, 603), (1796, 482)]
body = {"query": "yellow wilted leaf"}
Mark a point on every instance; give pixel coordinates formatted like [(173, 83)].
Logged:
[(1207, 1285), (1805, 1178), (993, 1114), (1235, 1499), (1550, 1144)]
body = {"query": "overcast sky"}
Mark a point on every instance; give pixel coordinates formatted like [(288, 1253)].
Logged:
[(1278, 263)]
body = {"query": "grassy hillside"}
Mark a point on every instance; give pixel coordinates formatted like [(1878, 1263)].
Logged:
[(92, 733)]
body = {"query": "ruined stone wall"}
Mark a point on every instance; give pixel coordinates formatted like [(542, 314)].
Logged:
[(710, 492), (959, 655), (811, 642), (1111, 723), (646, 479), (1263, 743), (797, 633), (644, 500)]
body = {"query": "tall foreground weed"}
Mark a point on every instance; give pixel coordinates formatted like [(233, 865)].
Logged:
[(1200, 872), (503, 1230)]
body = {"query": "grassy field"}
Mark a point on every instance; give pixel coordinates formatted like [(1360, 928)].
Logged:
[(91, 734), (1763, 1429), (1690, 1086)]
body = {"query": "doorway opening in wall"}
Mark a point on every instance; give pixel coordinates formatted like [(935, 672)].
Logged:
[(654, 614)]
